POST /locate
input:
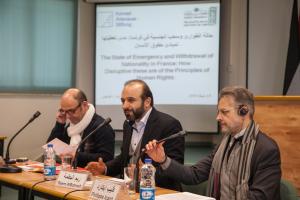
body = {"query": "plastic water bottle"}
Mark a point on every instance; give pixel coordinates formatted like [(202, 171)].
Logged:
[(49, 163), (147, 184)]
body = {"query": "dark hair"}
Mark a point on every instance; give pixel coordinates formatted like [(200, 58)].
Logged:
[(77, 94), (146, 90), (241, 95), (80, 97)]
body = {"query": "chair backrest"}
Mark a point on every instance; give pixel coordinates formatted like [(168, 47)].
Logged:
[(287, 190)]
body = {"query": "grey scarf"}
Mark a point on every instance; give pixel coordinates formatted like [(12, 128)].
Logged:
[(244, 160)]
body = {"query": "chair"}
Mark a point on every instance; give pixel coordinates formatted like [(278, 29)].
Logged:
[(287, 190)]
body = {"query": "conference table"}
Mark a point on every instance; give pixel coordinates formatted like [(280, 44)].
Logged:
[(30, 184)]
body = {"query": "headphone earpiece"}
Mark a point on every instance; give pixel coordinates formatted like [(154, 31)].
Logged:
[(243, 110)]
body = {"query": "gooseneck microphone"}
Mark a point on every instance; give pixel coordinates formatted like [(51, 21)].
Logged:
[(13, 169), (7, 158), (105, 122), (143, 151), (176, 135)]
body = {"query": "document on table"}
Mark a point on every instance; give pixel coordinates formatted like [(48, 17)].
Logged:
[(183, 196), (60, 147), (33, 167)]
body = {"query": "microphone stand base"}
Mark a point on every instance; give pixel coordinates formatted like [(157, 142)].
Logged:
[(10, 169), (10, 161)]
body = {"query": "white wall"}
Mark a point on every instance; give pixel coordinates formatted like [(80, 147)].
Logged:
[(269, 28), (233, 43), (17, 109), (85, 49)]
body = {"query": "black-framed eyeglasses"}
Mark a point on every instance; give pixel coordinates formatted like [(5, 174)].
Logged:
[(69, 111)]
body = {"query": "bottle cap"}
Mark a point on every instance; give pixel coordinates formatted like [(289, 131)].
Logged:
[(49, 145), (148, 161)]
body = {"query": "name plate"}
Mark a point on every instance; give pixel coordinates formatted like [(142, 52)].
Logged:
[(72, 180), (105, 189)]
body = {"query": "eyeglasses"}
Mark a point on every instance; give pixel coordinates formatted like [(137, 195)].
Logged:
[(69, 111)]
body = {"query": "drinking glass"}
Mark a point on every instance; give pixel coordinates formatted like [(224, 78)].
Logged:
[(130, 178), (66, 162)]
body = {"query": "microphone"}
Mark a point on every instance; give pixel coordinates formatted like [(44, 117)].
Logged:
[(12, 169), (105, 122), (176, 135), (35, 115), (143, 151)]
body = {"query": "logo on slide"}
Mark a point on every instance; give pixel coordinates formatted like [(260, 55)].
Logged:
[(201, 16), (106, 19)]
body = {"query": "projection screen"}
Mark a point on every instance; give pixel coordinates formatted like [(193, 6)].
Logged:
[(173, 46)]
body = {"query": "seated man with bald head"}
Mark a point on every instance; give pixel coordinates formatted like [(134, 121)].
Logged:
[(75, 119)]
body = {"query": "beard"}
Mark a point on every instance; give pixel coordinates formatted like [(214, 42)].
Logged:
[(226, 129), (134, 114)]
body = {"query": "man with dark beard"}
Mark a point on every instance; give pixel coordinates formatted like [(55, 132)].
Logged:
[(143, 124)]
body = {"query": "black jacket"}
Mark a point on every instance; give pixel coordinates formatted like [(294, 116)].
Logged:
[(159, 125), (265, 171), (100, 144)]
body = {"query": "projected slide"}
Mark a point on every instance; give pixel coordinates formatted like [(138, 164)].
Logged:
[(174, 47), (176, 52)]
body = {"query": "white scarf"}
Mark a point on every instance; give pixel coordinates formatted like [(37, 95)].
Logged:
[(75, 130)]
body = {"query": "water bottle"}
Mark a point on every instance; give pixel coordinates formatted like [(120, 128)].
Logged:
[(147, 183), (49, 163)]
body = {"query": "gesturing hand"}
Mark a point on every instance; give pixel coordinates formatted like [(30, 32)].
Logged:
[(156, 151), (61, 117), (96, 168)]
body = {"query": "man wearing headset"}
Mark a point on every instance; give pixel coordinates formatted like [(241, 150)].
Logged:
[(246, 164)]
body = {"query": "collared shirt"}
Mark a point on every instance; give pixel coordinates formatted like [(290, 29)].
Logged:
[(229, 168), (138, 130), (236, 136), (240, 134)]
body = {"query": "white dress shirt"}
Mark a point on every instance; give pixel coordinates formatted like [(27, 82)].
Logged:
[(138, 129)]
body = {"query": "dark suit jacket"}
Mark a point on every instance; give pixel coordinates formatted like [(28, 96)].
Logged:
[(100, 144), (265, 171), (159, 125)]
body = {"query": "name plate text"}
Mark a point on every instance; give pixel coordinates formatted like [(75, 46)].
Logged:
[(72, 180), (105, 189)]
